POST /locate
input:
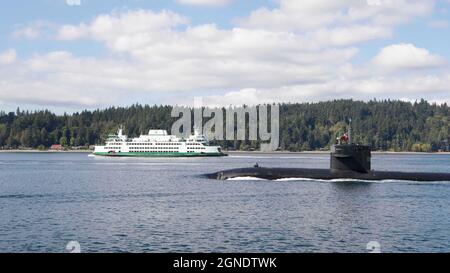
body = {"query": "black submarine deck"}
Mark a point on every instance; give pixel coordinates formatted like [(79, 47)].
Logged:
[(326, 174), (347, 161)]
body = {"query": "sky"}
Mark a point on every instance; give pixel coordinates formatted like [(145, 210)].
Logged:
[(71, 55)]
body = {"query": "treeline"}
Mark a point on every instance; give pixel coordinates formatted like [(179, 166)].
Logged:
[(385, 125)]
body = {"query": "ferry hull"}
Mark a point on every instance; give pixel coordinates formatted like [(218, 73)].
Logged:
[(159, 154)]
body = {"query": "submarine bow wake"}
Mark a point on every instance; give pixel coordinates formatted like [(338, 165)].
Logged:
[(324, 174)]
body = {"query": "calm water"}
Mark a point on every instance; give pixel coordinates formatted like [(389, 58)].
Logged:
[(163, 205)]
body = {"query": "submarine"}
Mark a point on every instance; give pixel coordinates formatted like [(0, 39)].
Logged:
[(347, 161)]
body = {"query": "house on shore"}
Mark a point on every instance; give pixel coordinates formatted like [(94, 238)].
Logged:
[(56, 147)]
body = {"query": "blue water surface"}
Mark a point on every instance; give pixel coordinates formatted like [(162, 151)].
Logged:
[(165, 205)]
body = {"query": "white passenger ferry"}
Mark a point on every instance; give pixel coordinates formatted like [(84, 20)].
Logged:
[(157, 143)]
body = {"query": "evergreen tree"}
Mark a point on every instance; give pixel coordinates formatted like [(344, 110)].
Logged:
[(385, 125)]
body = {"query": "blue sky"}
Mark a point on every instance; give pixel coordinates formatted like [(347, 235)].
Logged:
[(22, 12), (105, 53)]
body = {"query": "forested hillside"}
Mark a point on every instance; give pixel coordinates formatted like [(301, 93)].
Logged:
[(385, 125)]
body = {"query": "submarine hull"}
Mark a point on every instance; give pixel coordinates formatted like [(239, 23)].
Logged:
[(347, 161), (326, 174)]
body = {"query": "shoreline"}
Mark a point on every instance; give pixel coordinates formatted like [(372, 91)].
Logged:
[(327, 152), (236, 152)]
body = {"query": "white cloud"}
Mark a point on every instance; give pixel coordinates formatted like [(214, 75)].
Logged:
[(312, 14), (300, 51), (406, 56), (27, 33), (434, 88), (205, 2), (70, 32), (349, 35), (60, 79), (32, 30), (108, 27), (73, 2), (8, 57)]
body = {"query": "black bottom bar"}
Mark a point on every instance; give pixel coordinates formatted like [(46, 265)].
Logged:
[(235, 262)]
